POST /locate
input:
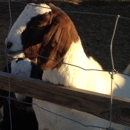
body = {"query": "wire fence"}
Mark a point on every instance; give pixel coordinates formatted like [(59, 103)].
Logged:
[(112, 72)]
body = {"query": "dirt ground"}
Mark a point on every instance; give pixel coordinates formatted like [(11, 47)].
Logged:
[(95, 30)]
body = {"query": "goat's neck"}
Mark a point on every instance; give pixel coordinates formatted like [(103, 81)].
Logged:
[(71, 75)]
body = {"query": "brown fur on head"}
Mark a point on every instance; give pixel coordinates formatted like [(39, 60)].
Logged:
[(58, 32)]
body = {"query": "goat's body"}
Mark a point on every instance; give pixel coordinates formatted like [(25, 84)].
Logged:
[(97, 81), (51, 121)]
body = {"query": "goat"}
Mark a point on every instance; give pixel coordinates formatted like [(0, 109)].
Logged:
[(45, 30), (22, 114)]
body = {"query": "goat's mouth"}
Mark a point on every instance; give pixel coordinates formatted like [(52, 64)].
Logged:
[(15, 54)]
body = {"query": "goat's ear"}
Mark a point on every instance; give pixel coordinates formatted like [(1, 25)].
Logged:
[(59, 35)]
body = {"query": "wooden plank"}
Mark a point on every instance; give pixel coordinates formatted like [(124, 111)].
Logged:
[(82, 100)]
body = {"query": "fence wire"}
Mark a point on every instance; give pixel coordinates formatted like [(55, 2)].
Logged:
[(111, 73)]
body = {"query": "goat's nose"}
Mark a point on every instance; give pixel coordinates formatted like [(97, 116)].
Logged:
[(9, 44)]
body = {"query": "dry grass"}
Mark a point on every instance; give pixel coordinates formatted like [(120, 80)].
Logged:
[(95, 31)]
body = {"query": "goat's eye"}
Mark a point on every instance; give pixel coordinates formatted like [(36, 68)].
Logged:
[(38, 25), (34, 27), (31, 27)]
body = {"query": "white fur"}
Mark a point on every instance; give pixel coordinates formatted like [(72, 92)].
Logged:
[(21, 68), (97, 81), (18, 27)]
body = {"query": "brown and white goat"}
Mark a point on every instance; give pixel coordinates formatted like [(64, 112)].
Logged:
[(46, 33)]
